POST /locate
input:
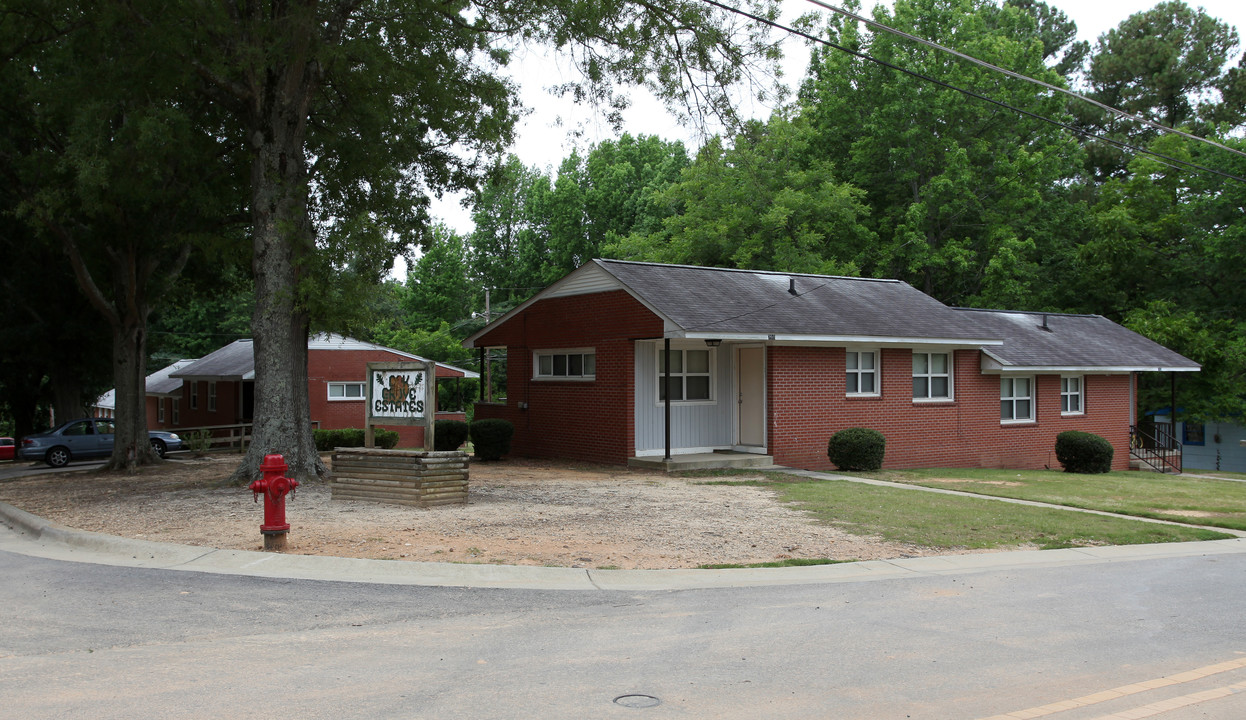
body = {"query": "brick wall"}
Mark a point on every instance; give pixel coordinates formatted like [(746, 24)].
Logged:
[(573, 419), (807, 404)]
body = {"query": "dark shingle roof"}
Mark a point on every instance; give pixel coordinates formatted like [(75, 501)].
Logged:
[(750, 302), (1070, 341)]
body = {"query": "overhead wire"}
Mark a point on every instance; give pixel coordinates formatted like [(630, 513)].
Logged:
[(1167, 160)]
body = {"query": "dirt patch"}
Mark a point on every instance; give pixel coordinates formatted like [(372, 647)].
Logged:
[(518, 513), (962, 481)]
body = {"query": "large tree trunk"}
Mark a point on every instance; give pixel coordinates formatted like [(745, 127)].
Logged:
[(131, 445), (283, 244)]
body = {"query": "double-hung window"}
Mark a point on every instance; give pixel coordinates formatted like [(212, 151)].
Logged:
[(692, 376), (177, 411), (565, 365), (211, 396), (1016, 399), (194, 394), (932, 376), (346, 391), (861, 372), (1072, 395), (160, 410)]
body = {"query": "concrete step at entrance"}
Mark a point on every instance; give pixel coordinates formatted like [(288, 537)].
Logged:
[(702, 461)]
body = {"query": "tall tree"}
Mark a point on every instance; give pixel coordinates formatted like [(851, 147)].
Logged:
[(437, 287), (954, 184), (765, 201), (364, 102), (120, 166), (1167, 65)]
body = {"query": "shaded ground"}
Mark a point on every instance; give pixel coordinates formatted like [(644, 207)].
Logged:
[(518, 513)]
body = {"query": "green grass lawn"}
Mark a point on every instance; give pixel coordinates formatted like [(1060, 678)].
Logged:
[(952, 522), (1199, 501)]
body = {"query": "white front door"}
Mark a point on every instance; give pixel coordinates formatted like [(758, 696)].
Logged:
[(751, 396)]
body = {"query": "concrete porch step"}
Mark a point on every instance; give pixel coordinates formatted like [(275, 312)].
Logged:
[(702, 461)]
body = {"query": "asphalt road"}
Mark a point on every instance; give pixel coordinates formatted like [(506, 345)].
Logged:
[(82, 640)]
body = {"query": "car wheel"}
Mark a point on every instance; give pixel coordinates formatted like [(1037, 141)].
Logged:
[(57, 457), (158, 447)]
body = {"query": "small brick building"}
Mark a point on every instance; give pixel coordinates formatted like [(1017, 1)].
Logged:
[(775, 363), (218, 390)]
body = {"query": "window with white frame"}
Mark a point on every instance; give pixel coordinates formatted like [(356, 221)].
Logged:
[(160, 410), (932, 376), (577, 364), (1072, 395), (346, 391), (861, 372), (692, 376), (177, 411), (211, 396), (1016, 399), (194, 394)]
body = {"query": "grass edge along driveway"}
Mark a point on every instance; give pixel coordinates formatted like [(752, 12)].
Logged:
[(962, 523)]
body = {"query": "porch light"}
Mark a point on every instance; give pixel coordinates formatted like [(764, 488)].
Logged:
[(714, 343)]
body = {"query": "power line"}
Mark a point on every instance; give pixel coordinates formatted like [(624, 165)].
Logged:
[(1172, 162)]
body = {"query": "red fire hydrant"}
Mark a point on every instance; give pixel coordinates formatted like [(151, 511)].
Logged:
[(274, 485)]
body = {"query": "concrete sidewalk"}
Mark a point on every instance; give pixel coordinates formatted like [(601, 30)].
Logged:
[(26, 534)]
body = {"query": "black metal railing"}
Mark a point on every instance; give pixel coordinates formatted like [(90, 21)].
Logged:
[(1157, 447)]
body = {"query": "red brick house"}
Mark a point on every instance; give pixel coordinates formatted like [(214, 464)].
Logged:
[(775, 363), (218, 390)]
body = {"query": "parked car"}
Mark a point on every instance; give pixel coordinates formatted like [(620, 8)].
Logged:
[(86, 438), (8, 449)]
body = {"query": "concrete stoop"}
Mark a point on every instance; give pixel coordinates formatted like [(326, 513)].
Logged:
[(702, 461)]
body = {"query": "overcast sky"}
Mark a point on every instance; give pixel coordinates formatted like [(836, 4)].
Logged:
[(544, 142)]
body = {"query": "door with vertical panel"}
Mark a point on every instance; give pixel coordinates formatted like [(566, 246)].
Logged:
[(751, 396)]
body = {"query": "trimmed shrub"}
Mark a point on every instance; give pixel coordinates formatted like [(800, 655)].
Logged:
[(199, 441), (386, 439), (492, 438), (449, 434), (326, 440), (857, 449), (1083, 452)]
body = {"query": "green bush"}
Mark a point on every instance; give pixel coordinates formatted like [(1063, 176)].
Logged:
[(199, 441), (857, 449), (449, 434), (326, 440), (1083, 452), (492, 438)]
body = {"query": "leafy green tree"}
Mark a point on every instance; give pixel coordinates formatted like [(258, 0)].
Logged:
[(767, 201), (1168, 257), (969, 200), (1169, 66), (119, 165), (509, 245), (351, 109), (437, 287)]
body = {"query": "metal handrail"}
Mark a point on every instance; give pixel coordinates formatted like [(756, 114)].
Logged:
[(1160, 450)]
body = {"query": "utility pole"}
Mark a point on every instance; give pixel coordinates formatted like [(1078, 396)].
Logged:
[(488, 360)]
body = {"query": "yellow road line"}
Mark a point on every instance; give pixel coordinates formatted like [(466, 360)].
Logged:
[(1133, 689)]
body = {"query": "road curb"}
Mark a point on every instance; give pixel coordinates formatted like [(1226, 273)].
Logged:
[(33, 535)]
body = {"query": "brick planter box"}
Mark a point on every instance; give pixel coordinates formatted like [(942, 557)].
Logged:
[(399, 477)]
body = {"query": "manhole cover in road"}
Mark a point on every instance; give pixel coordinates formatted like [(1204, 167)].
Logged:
[(637, 701)]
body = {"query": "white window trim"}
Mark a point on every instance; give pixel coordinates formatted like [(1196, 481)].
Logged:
[(329, 392), (160, 410), (177, 411), (1033, 418), (211, 396), (536, 365), (876, 372), (713, 374), (951, 377), (1081, 395), (194, 394)]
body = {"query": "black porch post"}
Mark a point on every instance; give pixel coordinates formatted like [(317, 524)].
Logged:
[(666, 379), (1172, 441), (482, 374)]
